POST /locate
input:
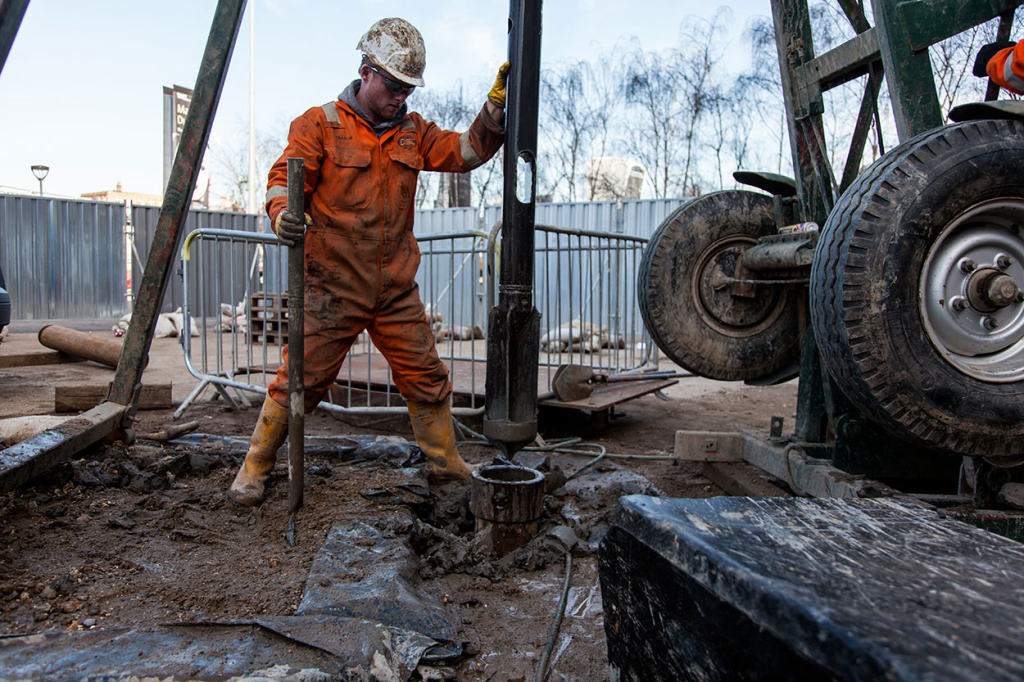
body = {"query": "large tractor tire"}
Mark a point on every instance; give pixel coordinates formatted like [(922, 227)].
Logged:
[(914, 290), (695, 316)]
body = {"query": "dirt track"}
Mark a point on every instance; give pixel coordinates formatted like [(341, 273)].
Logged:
[(134, 537)]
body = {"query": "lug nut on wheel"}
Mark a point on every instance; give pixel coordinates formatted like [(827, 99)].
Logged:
[(958, 303), (968, 265), (989, 323), (1003, 261)]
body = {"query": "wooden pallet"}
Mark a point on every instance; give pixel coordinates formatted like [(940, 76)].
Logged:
[(268, 318), (262, 301)]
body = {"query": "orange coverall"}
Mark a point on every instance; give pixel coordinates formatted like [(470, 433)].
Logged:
[(360, 254), (1006, 68)]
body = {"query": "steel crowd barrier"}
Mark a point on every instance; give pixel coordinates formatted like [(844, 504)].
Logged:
[(585, 291)]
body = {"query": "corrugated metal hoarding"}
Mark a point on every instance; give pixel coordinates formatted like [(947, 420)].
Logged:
[(60, 258), (144, 220), (67, 259), (638, 218)]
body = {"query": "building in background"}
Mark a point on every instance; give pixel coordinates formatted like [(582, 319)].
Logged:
[(119, 196), (610, 178)]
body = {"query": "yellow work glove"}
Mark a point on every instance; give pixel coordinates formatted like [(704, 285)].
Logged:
[(497, 93), (289, 229)]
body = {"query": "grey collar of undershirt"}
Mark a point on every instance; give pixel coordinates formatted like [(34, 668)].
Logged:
[(348, 96)]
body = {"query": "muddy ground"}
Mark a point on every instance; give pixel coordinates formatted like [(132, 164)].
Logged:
[(136, 536)]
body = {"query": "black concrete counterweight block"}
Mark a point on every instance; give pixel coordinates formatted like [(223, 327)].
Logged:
[(736, 589)]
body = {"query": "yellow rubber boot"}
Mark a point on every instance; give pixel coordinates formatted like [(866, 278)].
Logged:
[(270, 432), (432, 424)]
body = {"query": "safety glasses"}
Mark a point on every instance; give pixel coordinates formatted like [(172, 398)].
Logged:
[(391, 84)]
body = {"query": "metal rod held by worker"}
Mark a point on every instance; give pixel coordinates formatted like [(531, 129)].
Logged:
[(296, 347), (513, 341)]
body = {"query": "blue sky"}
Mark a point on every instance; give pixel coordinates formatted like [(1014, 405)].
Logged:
[(81, 90)]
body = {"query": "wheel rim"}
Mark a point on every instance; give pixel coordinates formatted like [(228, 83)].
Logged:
[(973, 307), (748, 314)]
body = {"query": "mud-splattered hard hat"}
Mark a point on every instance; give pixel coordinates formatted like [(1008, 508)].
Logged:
[(397, 47)]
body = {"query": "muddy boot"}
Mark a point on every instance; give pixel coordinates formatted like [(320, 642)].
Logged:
[(432, 424), (270, 432)]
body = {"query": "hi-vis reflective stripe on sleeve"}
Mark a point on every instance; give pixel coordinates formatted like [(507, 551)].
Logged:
[(1014, 81), (331, 112), (468, 154), (276, 191)]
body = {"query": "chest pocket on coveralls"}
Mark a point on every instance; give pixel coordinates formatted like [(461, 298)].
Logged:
[(350, 183), (406, 165)]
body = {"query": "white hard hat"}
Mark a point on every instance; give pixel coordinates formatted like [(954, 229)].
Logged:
[(396, 46)]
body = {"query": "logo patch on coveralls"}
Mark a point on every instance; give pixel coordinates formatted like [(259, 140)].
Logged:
[(407, 141)]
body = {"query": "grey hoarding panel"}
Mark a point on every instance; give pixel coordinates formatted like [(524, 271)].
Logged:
[(219, 279), (63, 259)]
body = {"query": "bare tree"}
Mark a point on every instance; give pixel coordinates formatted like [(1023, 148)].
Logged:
[(669, 92), (651, 135), (451, 110), (230, 159), (577, 106), (725, 131), (761, 86)]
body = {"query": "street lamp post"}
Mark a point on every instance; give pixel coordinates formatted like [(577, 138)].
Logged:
[(40, 172)]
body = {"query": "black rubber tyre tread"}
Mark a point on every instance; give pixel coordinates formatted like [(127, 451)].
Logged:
[(676, 327), (864, 289)]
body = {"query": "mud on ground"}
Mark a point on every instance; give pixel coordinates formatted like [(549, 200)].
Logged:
[(142, 535)]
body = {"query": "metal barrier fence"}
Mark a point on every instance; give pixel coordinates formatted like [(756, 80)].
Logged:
[(584, 291), (238, 347)]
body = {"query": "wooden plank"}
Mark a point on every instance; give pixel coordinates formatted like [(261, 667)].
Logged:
[(36, 359), (87, 396), (739, 479), (29, 458)]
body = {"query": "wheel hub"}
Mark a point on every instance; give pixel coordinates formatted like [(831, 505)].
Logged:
[(989, 290), (734, 309), (973, 307)]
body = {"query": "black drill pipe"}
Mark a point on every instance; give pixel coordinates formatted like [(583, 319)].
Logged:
[(519, 205), (178, 196), (296, 344), (513, 341)]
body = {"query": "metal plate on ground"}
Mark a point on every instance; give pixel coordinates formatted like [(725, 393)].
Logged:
[(613, 394)]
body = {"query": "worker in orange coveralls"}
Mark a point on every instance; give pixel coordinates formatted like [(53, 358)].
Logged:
[(362, 155), (1003, 62)]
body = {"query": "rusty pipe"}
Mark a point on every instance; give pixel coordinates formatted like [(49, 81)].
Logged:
[(80, 344), (296, 347)]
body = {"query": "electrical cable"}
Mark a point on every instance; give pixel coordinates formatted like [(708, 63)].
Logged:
[(561, 447)]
